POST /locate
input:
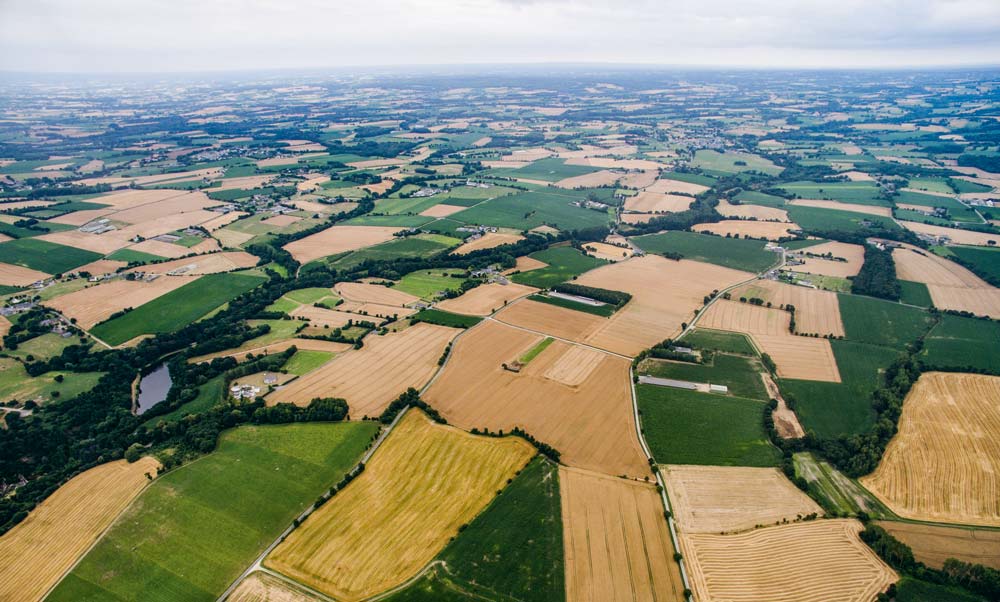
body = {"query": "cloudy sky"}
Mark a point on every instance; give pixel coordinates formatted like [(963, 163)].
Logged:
[(211, 35)]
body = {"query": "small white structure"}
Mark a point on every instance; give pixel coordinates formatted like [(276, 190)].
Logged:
[(718, 389), (244, 391)]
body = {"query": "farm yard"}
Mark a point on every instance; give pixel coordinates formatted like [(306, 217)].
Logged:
[(415, 494)]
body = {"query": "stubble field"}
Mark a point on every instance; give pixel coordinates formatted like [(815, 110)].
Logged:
[(337, 239), (485, 299)]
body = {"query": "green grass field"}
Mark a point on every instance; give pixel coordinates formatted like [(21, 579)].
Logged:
[(913, 590), (527, 210), (427, 283), (740, 374), (308, 296), (753, 197), (718, 340), (195, 529), (958, 343), (178, 308), (44, 256), (551, 169), (400, 221), (422, 245), (737, 253), (869, 320), (43, 347), (598, 310), (129, 256), (210, 394), (15, 384), (734, 162), (536, 350), (984, 260), (915, 293), (834, 491), (831, 409), (861, 193), (815, 218), (305, 361), (444, 318), (687, 427), (564, 263)]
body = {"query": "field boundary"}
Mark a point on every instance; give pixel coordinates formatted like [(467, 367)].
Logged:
[(674, 539)]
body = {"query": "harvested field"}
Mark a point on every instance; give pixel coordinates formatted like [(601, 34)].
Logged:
[(949, 433), (526, 264), (423, 484), (607, 252), (747, 228), (745, 211), (319, 316), (853, 254), (163, 249), (719, 499), (485, 298), (617, 544), (816, 311), (338, 239), (96, 303), (213, 263), (590, 180), (90, 242), (657, 202), (231, 238), (376, 310), (551, 319), (637, 218), (816, 561), (442, 210), (263, 587), (853, 207), (281, 221), (954, 235), (951, 286), (370, 377), (36, 553), (242, 183), (102, 266), (798, 357), (197, 174), (361, 292), (590, 422), (15, 275), (488, 241), (609, 163), (933, 544), (639, 179), (664, 294), (667, 185), (277, 347)]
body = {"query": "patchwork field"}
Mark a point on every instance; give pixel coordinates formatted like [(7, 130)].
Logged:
[(195, 529), (816, 311), (485, 299), (423, 484), (951, 286), (616, 539), (747, 229), (370, 377), (36, 553), (799, 357), (338, 239), (819, 560), (949, 432), (720, 499), (587, 409), (96, 303)]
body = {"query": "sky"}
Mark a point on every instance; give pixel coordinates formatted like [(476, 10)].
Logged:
[(152, 36)]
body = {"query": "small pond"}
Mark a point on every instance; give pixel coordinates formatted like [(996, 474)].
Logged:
[(153, 388)]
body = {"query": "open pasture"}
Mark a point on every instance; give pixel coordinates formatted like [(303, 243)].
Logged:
[(485, 298), (526, 210), (560, 264), (572, 398), (371, 377), (958, 343), (36, 553), (616, 540), (734, 162), (423, 484), (747, 229), (720, 499), (747, 255), (338, 239), (195, 529), (816, 311), (818, 560), (43, 256), (949, 432), (96, 303)]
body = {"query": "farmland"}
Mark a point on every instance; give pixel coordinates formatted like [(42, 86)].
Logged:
[(388, 523), (877, 322), (177, 308), (958, 343), (934, 544), (44, 256), (485, 299), (740, 374), (614, 528), (562, 264), (953, 419), (687, 427), (149, 552), (527, 210), (36, 553), (739, 254)]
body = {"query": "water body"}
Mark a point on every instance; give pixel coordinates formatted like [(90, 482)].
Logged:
[(153, 388)]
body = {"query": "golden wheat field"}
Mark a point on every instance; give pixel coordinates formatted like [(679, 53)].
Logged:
[(337, 239), (934, 544), (837, 205), (719, 499), (96, 303), (818, 561), (747, 228), (573, 398), (485, 299), (949, 432), (264, 587), (15, 275), (955, 235), (816, 311), (35, 553), (657, 202), (951, 286), (421, 485), (760, 212), (371, 377), (825, 259), (488, 241), (617, 545)]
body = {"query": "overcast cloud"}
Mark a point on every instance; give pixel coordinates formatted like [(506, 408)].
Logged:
[(201, 35)]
